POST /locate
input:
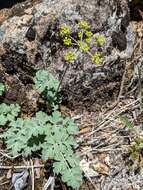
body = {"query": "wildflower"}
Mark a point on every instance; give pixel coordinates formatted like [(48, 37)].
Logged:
[(96, 58), (70, 56), (67, 41), (88, 40), (80, 34), (65, 30), (83, 46), (89, 34), (83, 25), (100, 40)]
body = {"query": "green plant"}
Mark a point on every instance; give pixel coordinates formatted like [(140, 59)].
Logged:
[(136, 149), (1, 88), (82, 42), (48, 86), (136, 146), (127, 122), (50, 136), (8, 113), (100, 40), (70, 56)]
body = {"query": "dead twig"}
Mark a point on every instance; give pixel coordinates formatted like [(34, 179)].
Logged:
[(4, 183), (122, 83), (93, 184), (32, 174), (7, 156), (50, 182), (112, 115), (21, 167), (106, 149)]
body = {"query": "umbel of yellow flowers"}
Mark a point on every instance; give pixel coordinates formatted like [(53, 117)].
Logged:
[(82, 42)]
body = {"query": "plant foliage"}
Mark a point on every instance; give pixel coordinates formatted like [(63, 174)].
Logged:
[(50, 136), (8, 113), (47, 85), (136, 147)]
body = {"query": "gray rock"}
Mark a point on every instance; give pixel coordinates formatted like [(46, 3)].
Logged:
[(85, 84)]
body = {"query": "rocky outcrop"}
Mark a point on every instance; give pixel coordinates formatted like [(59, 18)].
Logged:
[(29, 40)]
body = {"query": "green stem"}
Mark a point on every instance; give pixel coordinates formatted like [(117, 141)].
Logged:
[(82, 35), (61, 80), (76, 42)]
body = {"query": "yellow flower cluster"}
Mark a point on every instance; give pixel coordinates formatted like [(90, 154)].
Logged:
[(82, 42), (70, 56), (83, 46), (83, 25), (100, 40), (97, 58), (67, 41), (65, 30)]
